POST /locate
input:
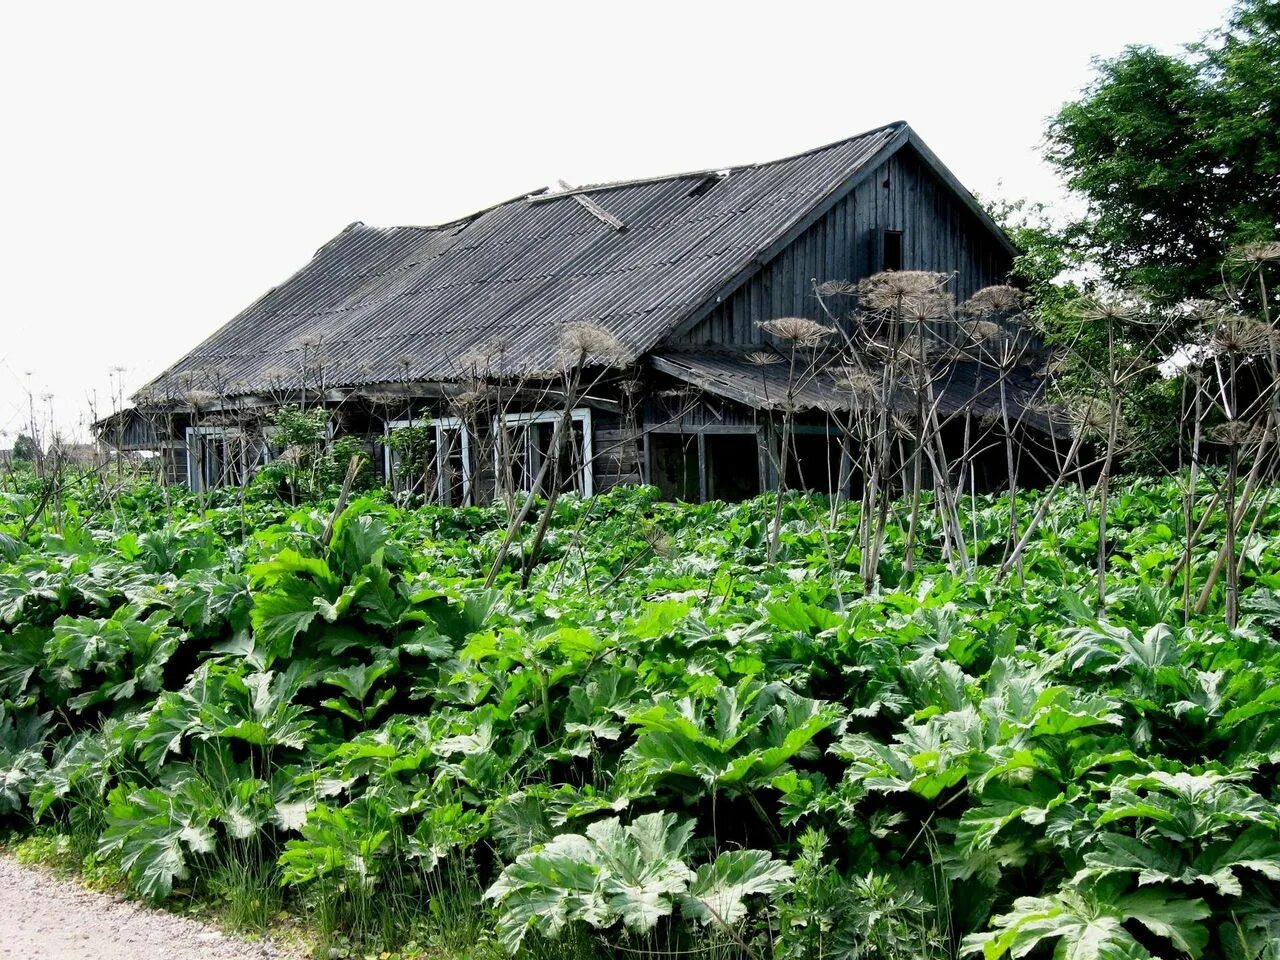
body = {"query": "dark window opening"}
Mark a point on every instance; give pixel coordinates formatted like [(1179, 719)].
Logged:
[(814, 463), (733, 466), (673, 464), (891, 250)]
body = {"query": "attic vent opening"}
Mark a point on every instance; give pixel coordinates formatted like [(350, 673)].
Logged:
[(891, 250)]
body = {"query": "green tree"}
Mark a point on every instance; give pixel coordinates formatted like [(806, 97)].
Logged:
[(25, 449), (1178, 157)]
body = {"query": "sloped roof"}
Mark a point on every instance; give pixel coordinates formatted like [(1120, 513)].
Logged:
[(384, 305)]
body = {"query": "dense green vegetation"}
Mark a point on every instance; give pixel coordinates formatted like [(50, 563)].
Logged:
[(665, 742)]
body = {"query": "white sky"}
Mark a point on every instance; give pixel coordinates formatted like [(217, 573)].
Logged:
[(166, 163)]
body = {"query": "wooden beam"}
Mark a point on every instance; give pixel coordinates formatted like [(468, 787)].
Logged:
[(593, 208), (600, 212), (537, 198)]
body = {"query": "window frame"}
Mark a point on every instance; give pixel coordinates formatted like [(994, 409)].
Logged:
[(253, 455), (440, 425), (576, 415)]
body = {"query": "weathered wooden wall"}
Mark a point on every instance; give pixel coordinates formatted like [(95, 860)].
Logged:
[(938, 233)]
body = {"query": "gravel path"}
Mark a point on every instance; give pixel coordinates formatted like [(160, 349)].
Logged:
[(46, 918)]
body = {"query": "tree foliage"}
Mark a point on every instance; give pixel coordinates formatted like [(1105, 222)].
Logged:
[(1177, 156)]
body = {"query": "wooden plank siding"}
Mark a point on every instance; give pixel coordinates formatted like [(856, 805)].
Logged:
[(939, 233)]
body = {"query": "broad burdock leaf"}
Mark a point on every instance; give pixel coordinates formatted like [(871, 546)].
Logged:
[(282, 612), (742, 734), (23, 731), (720, 889), (632, 874), (1090, 926), (85, 763), (346, 845), (153, 831)]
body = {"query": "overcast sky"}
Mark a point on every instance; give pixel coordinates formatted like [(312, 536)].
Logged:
[(166, 163)]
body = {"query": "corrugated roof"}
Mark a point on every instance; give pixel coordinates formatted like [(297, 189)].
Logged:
[(495, 290)]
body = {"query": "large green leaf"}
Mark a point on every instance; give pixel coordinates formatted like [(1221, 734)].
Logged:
[(719, 891)]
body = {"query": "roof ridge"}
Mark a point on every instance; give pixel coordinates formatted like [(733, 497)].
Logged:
[(546, 194)]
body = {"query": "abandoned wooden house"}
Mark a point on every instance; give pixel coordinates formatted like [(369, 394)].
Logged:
[(463, 326)]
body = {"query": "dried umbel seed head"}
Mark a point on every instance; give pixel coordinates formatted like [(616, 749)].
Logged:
[(1058, 364), (1240, 335), (583, 340), (764, 358), (308, 341), (989, 419), (377, 398), (1236, 433), (1089, 416), (798, 330), (922, 307), (914, 348), (980, 331), (658, 540), (903, 425), (277, 375), (862, 384), (1253, 254), (1128, 308), (837, 288), (292, 456), (1000, 299), (886, 291), (200, 399), (468, 401), (1200, 311)]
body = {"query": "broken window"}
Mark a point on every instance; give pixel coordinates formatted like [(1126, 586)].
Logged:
[(529, 443)]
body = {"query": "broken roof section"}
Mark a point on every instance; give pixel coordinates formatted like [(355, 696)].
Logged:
[(489, 295)]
